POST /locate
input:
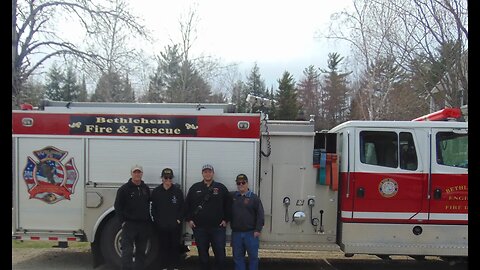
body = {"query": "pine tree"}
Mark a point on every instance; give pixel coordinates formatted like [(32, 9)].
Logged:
[(272, 112), (128, 94), (196, 90), (33, 94), (309, 90), (83, 94), (336, 105), (169, 72), (109, 88), (70, 89), (53, 87), (156, 88), (239, 96), (287, 98), (255, 86)]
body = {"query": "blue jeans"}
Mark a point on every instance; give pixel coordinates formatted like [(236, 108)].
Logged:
[(216, 237), (241, 242)]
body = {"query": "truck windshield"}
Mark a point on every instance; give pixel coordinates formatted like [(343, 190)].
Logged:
[(452, 149)]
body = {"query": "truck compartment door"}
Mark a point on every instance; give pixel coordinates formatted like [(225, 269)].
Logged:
[(50, 186), (229, 158), (110, 159)]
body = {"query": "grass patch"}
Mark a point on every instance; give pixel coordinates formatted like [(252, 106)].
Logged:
[(46, 244)]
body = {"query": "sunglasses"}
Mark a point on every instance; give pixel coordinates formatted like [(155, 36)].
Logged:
[(167, 177), (241, 183)]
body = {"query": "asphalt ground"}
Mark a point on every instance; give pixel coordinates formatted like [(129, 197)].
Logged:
[(81, 259)]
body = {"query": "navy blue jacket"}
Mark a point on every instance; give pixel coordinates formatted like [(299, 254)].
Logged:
[(247, 212), (167, 206)]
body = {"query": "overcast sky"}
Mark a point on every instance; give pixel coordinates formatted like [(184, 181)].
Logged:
[(277, 34)]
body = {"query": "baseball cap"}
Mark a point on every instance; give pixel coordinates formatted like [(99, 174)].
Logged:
[(167, 172), (241, 177), (207, 167), (136, 167)]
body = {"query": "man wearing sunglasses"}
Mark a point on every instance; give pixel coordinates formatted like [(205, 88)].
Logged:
[(167, 213), (247, 223)]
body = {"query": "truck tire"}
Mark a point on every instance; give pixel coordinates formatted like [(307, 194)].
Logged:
[(110, 245)]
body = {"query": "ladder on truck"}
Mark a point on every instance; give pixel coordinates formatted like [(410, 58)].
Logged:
[(168, 108)]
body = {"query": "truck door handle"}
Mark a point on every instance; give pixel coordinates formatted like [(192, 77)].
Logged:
[(437, 194), (360, 192)]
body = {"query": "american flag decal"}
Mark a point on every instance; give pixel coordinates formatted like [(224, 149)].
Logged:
[(48, 179)]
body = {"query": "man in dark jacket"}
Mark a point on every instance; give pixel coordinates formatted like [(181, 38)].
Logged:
[(167, 213), (207, 214), (132, 207), (247, 223)]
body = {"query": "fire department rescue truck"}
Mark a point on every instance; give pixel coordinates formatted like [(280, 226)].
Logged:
[(363, 187)]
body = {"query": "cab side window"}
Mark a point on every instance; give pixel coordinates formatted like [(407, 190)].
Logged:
[(379, 148), (408, 153), (388, 149)]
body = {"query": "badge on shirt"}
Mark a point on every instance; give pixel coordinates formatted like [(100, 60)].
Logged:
[(174, 199)]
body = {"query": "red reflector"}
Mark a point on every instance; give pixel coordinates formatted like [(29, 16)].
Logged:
[(71, 239), (35, 238), (53, 238)]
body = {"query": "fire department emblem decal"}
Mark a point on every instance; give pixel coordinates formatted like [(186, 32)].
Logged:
[(388, 187), (49, 179)]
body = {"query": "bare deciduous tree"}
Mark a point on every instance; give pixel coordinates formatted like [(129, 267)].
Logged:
[(406, 31), (36, 40), (367, 28), (209, 67)]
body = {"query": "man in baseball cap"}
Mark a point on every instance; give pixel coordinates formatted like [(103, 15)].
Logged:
[(241, 177), (207, 213), (246, 223), (167, 173), (136, 167), (207, 167), (167, 213), (132, 207)]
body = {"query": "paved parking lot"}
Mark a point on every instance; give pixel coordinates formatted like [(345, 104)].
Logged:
[(77, 259)]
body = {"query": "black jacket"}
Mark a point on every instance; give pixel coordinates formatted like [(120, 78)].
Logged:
[(167, 206), (133, 202), (213, 210)]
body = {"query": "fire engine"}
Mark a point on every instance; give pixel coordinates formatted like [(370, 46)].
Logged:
[(363, 187)]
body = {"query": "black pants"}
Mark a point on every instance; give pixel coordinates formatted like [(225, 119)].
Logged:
[(169, 247), (134, 233), (216, 237)]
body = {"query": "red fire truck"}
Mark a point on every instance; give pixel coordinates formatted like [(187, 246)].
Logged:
[(363, 187)]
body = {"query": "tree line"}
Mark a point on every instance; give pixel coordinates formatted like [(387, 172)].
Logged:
[(408, 58)]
